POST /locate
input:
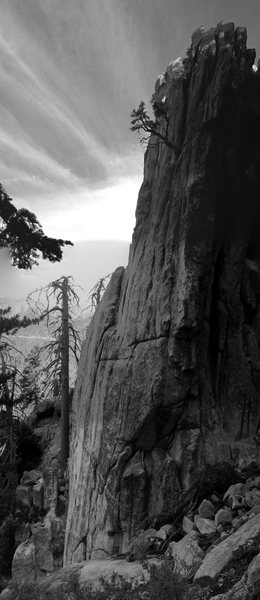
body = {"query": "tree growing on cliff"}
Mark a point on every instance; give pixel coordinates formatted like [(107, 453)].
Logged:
[(96, 293), (60, 300), (21, 233), (147, 127)]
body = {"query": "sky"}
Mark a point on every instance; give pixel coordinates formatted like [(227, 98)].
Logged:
[(71, 71)]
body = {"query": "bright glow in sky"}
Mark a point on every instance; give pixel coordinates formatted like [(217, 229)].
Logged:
[(106, 214)]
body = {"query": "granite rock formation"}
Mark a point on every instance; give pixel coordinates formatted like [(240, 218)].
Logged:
[(169, 376)]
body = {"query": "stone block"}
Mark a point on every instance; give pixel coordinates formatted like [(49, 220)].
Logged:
[(220, 556), (50, 482), (37, 494), (205, 526), (164, 531), (236, 489), (57, 535), (223, 517), (187, 554), (30, 477), (23, 565), (206, 509), (188, 525), (41, 535)]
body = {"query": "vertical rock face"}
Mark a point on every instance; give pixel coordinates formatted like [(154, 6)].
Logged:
[(169, 377)]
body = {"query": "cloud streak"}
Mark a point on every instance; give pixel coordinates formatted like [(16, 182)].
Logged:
[(71, 71)]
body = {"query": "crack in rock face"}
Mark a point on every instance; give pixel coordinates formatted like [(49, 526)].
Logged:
[(171, 363)]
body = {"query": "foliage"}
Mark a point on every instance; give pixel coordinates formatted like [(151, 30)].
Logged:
[(163, 584), (97, 291), (187, 62), (6, 545), (143, 123), (11, 323), (21, 232), (31, 378), (47, 305)]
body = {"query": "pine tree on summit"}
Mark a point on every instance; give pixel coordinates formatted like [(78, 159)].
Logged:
[(21, 233)]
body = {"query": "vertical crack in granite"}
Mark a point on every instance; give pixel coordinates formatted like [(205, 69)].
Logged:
[(169, 377)]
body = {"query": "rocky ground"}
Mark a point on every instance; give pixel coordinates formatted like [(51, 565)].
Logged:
[(217, 547)]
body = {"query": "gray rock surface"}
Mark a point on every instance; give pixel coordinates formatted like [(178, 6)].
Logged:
[(220, 556), (253, 576), (187, 554), (205, 526), (23, 565), (223, 517), (41, 537), (206, 509), (171, 357)]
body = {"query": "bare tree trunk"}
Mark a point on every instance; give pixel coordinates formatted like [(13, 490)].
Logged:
[(65, 376), (7, 397)]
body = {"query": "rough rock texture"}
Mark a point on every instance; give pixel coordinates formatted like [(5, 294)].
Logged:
[(23, 566), (187, 554), (221, 556), (45, 423), (169, 376), (90, 573)]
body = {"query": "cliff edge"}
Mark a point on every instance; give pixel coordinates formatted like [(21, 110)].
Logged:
[(169, 376)]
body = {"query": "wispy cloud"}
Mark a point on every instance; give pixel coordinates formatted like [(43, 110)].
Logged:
[(60, 128), (71, 71)]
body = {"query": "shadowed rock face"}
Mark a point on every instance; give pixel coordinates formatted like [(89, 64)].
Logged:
[(169, 376)]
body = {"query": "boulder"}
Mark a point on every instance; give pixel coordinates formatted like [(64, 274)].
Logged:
[(23, 565), (188, 525), (37, 494), (57, 535), (235, 489), (205, 526), (253, 577), (141, 545), (237, 502), (206, 510), (220, 556), (252, 497), (41, 535), (223, 517), (187, 554), (50, 481), (91, 572), (30, 477), (164, 531)]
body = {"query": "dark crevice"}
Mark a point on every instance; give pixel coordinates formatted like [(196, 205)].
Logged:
[(151, 339)]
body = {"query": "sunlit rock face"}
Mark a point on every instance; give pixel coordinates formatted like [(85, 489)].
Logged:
[(169, 376)]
